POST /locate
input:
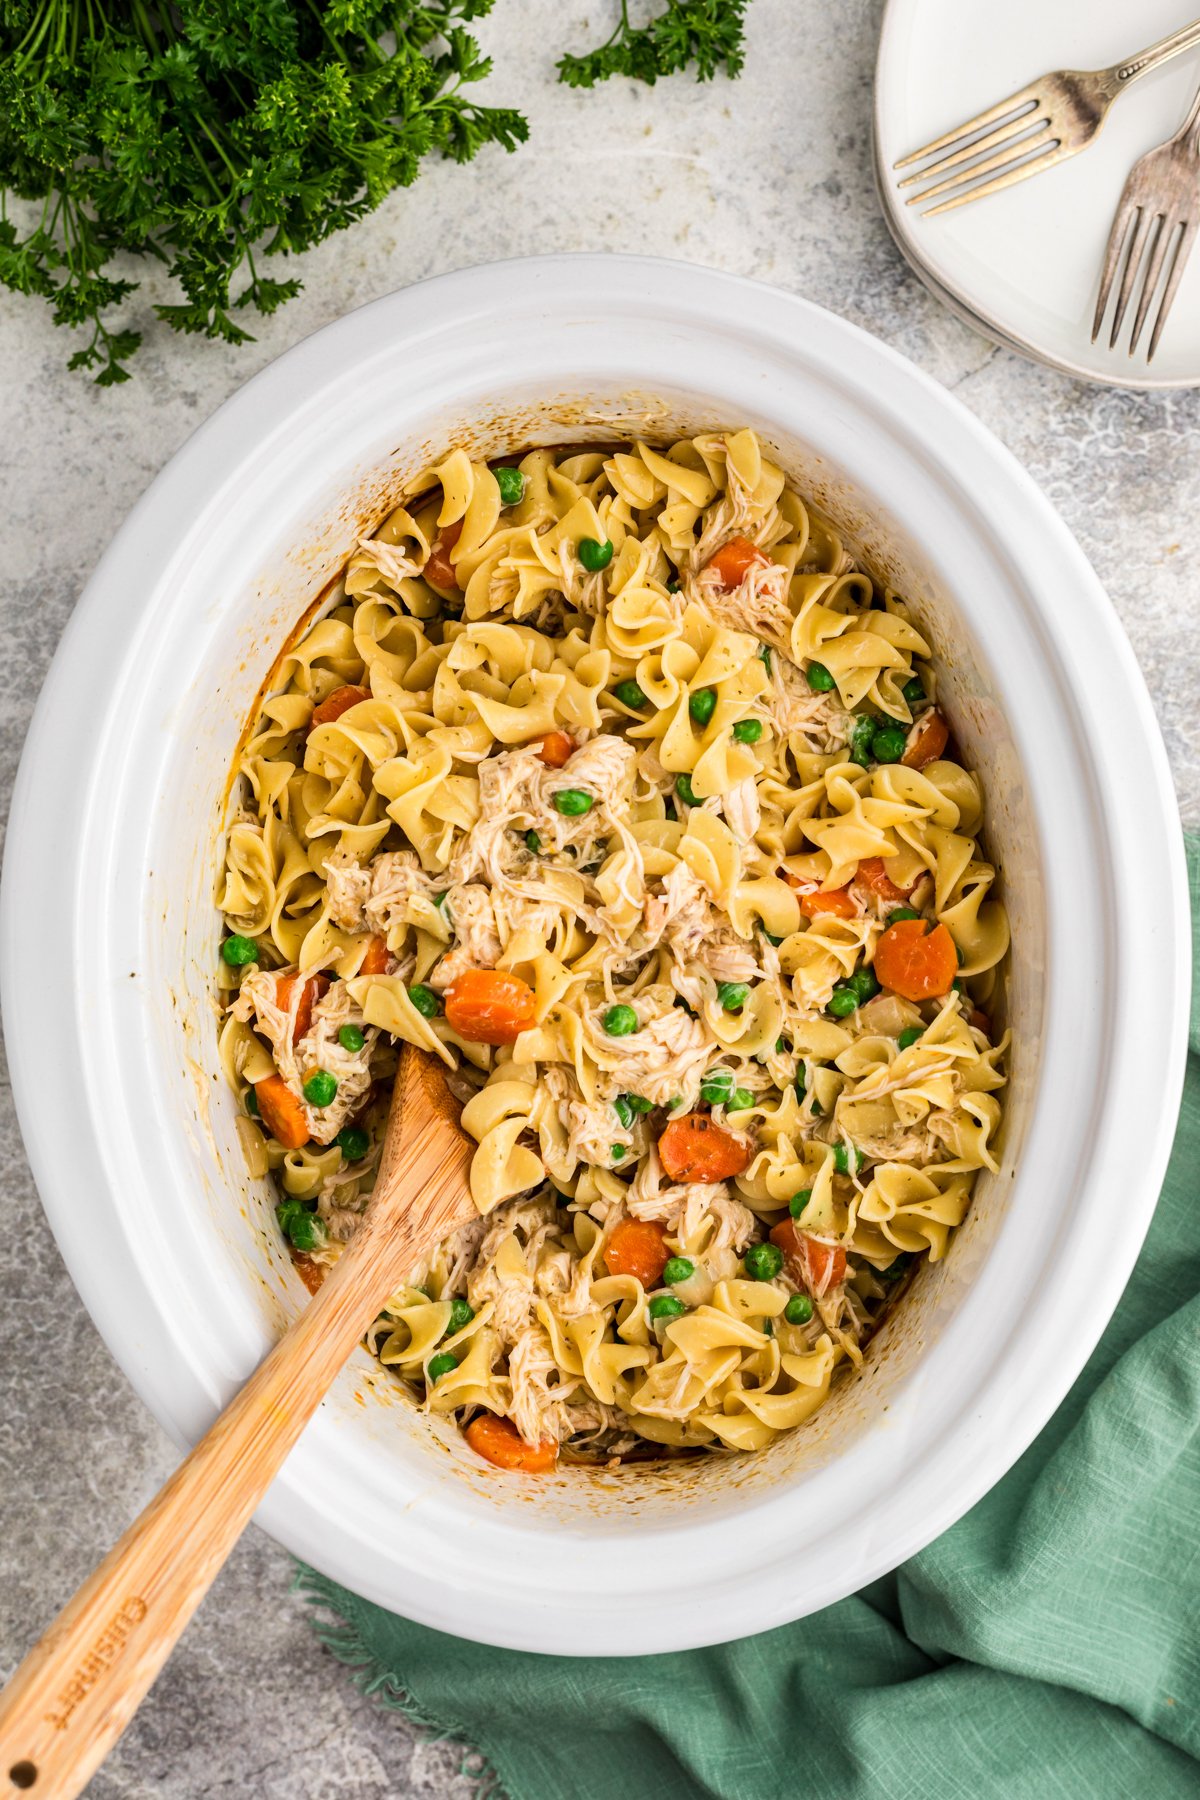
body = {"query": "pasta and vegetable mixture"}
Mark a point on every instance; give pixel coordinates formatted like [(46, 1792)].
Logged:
[(606, 777)]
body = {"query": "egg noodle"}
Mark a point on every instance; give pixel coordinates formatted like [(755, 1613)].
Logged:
[(606, 777)]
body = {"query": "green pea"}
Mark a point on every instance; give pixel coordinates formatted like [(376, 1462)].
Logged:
[(864, 983), (595, 555), (461, 1313), (702, 705), (666, 1306), (320, 1088), (732, 995), (351, 1038), (843, 1001), (619, 1021), (630, 695), (799, 1310), (572, 802), (716, 1086), (913, 692), (762, 1262), (252, 1103), (781, 1046), (902, 912), (302, 1228), (798, 1202), (675, 1104), (861, 734), (441, 1364), (909, 1036), (888, 744), (678, 1268), (897, 1269), (685, 790), (772, 939), (617, 1152), (511, 483), (439, 899), (669, 808), (238, 951), (639, 1103), (623, 1110), (742, 1098), (801, 1081), (764, 654), (845, 1160), (768, 1327), (747, 731), (817, 1108), (425, 1000), (353, 1143), (673, 585), (819, 679)]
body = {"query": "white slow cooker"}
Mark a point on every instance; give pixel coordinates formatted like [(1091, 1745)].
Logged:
[(108, 939)]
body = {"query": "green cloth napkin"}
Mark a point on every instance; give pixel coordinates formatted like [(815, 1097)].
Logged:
[(1047, 1646)]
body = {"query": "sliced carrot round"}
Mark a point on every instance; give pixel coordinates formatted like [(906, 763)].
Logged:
[(927, 741), (313, 989), (914, 962), (555, 749), (311, 1273), (487, 1006), (837, 901), (281, 1112), (734, 560), (696, 1148), (499, 1442), (335, 704), (638, 1247), (376, 958), (438, 567), (820, 1266), (872, 874)]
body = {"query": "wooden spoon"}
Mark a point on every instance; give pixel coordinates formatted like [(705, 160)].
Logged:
[(78, 1688)]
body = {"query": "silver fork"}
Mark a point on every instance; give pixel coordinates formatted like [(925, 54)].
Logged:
[(1155, 218), (1056, 116)]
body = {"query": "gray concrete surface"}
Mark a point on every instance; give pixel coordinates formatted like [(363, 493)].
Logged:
[(767, 177)]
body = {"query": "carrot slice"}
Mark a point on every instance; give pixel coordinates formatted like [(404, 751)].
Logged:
[(980, 1021), (734, 560), (820, 1266), (438, 567), (838, 901), (314, 987), (311, 1273), (914, 962), (872, 874), (928, 741), (638, 1247), (376, 960), (499, 1442), (695, 1148), (487, 1006), (340, 701), (556, 748), (281, 1112)]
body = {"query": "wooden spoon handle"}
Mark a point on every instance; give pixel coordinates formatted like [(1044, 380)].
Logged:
[(76, 1691)]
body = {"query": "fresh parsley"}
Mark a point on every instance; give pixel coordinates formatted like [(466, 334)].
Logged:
[(207, 133), (708, 33)]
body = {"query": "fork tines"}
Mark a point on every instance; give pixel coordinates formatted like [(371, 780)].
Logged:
[(1151, 240), (996, 148)]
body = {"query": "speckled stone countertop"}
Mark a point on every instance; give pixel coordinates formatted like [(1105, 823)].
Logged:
[(769, 177)]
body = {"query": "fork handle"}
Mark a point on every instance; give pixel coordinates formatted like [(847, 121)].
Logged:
[(1157, 54)]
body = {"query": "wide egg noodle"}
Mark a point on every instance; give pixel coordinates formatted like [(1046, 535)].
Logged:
[(397, 823)]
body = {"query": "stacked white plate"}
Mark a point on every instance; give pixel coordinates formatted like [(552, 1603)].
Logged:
[(1023, 265)]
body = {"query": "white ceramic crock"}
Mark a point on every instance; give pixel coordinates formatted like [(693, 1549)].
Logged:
[(114, 846)]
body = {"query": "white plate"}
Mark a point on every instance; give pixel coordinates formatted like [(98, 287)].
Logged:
[(1024, 265)]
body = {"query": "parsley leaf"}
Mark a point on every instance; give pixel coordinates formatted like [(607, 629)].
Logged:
[(708, 33), (209, 133)]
